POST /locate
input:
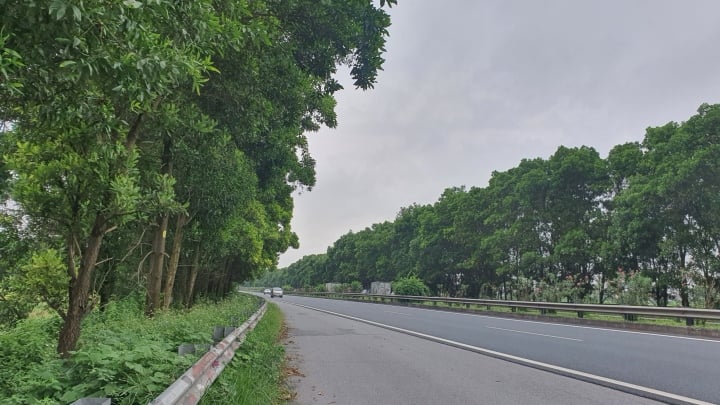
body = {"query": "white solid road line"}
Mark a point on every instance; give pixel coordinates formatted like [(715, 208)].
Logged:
[(580, 375), (533, 333)]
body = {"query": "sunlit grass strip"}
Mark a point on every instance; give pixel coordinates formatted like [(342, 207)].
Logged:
[(254, 376)]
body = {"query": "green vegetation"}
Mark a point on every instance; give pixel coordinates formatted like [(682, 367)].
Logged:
[(410, 285), (123, 354), (154, 146), (640, 226), (255, 376)]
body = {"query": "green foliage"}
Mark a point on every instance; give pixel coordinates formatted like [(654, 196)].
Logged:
[(632, 288), (255, 374), (554, 290), (45, 279), (10, 61), (355, 286), (410, 285), (558, 229), (126, 113), (14, 251), (123, 355), (27, 352)]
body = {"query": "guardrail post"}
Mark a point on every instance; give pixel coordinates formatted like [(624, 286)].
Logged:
[(581, 314), (689, 321), (218, 333), (192, 348), (186, 348)]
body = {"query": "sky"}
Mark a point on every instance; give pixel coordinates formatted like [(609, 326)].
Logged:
[(474, 86)]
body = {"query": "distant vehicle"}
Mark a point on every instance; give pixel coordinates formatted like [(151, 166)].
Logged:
[(266, 291), (276, 292)]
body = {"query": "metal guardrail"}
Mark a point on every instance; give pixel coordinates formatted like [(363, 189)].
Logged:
[(628, 311), (190, 387)]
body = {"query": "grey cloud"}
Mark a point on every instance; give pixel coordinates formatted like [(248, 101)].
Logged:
[(474, 86)]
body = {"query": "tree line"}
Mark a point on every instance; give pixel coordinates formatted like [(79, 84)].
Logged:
[(640, 226), (152, 147)]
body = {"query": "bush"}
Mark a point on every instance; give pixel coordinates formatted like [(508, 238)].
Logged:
[(28, 358), (410, 285), (122, 354), (633, 288)]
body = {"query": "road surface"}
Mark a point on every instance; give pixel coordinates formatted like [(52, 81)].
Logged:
[(683, 366), (343, 361)]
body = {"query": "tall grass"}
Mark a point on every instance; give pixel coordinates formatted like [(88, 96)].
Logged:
[(122, 354), (255, 374)]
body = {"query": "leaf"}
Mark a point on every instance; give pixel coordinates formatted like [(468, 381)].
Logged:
[(132, 3), (76, 13), (57, 8)]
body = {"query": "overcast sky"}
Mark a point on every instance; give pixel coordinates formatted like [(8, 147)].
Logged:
[(473, 86)]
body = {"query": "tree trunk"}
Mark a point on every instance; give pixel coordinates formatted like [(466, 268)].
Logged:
[(79, 289), (153, 301), (158, 258), (174, 260), (194, 269)]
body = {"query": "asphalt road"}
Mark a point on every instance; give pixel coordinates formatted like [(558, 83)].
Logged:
[(342, 361), (684, 366)]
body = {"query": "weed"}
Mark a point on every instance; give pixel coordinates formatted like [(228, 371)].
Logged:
[(254, 376)]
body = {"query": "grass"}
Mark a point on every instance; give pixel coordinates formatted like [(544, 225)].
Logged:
[(122, 354), (255, 375)]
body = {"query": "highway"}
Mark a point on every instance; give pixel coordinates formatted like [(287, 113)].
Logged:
[(685, 367)]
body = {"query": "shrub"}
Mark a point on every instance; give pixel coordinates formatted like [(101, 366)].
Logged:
[(410, 285), (122, 354), (356, 286)]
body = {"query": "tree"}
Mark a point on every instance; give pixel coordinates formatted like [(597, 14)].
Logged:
[(110, 96)]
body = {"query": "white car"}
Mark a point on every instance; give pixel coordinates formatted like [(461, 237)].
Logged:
[(276, 292), (266, 291)]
